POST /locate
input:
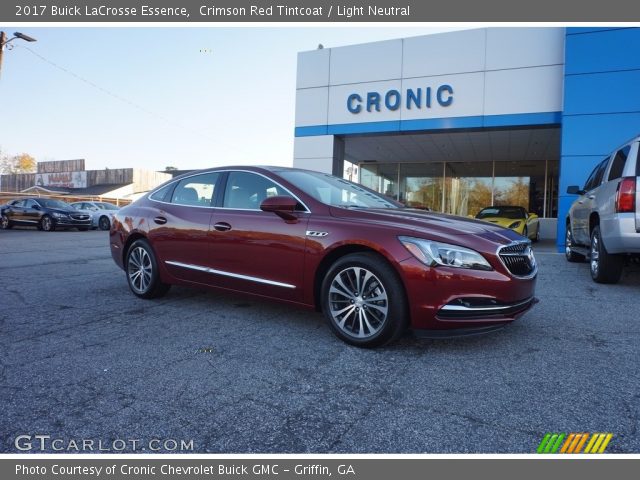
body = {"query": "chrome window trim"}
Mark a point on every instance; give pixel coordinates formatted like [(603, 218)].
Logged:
[(229, 274), (307, 209), (462, 308), (533, 273)]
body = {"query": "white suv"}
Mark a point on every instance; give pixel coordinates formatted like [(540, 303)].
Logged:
[(603, 224)]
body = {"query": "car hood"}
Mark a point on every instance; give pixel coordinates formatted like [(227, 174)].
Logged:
[(65, 211), (437, 226)]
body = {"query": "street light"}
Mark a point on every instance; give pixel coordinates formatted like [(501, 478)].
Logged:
[(4, 42)]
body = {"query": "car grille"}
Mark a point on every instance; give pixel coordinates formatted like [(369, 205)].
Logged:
[(77, 216), (518, 258)]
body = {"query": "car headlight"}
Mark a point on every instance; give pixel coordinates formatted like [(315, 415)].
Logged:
[(436, 253), (59, 215), (515, 224)]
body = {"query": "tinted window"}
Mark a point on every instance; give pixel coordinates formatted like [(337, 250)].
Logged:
[(29, 203), (595, 179), (502, 212), (619, 160), (196, 191), (247, 190), (161, 194), (18, 203)]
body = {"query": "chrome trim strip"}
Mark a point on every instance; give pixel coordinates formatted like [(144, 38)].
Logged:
[(462, 308), (308, 210), (315, 233), (229, 274)]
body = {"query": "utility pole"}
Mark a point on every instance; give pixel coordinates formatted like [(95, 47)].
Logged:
[(3, 40)]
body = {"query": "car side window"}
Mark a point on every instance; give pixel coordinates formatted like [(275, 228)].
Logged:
[(595, 179), (246, 190), (619, 160), (196, 191), (17, 203), (29, 203), (160, 195)]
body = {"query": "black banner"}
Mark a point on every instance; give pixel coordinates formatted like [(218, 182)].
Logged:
[(322, 468), (317, 11)]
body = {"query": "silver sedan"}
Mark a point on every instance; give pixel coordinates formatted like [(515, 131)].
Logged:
[(101, 213)]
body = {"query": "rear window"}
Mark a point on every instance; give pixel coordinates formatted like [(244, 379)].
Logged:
[(619, 161)]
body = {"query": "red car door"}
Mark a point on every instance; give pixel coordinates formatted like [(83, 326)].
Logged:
[(254, 251), (179, 227)]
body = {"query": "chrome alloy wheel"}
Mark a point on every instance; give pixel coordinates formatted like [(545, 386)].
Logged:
[(139, 269), (568, 242), (595, 255), (358, 302)]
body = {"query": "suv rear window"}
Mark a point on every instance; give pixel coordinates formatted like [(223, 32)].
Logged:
[(619, 160)]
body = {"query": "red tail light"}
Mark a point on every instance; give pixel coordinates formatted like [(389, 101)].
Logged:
[(626, 195)]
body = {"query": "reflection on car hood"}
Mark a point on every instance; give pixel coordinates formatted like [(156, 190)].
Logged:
[(502, 221), (437, 224)]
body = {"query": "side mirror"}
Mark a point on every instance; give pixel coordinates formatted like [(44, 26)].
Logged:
[(574, 190), (36, 207), (280, 205)]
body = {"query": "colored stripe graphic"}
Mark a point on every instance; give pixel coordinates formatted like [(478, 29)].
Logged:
[(573, 443)]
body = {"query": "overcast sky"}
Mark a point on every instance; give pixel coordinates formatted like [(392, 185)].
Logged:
[(152, 97)]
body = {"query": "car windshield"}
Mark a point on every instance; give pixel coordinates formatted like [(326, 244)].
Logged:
[(106, 206), (502, 212), (336, 191), (50, 203)]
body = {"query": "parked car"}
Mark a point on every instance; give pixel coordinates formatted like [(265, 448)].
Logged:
[(516, 218), (603, 223), (370, 264), (45, 213), (101, 212)]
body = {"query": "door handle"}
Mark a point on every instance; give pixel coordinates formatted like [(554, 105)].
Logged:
[(160, 220), (222, 226), (592, 197)]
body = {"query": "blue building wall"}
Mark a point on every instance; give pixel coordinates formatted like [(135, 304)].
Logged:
[(601, 103)]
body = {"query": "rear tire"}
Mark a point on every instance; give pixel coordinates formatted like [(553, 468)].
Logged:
[(604, 267), (104, 223), (142, 271), (569, 254), (364, 300)]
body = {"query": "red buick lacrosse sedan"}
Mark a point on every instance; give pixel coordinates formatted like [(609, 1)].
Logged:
[(371, 265)]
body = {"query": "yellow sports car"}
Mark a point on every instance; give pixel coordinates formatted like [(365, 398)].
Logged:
[(515, 218)]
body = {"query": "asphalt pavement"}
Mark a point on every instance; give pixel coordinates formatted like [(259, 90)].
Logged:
[(82, 359)]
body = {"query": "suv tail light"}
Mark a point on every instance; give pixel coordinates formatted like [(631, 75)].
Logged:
[(626, 195)]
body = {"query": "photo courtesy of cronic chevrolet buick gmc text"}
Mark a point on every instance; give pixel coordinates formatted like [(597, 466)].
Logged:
[(603, 224), (373, 266)]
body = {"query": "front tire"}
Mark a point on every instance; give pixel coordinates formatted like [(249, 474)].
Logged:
[(47, 224), (605, 267), (5, 223), (142, 272), (104, 223), (364, 301), (569, 254)]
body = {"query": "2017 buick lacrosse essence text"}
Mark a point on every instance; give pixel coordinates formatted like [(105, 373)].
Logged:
[(371, 265)]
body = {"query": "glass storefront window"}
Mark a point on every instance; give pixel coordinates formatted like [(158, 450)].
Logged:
[(421, 185), (468, 187), (465, 188)]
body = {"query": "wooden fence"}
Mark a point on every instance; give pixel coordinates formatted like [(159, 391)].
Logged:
[(8, 196)]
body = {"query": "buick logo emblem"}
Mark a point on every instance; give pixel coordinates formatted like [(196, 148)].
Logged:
[(529, 254)]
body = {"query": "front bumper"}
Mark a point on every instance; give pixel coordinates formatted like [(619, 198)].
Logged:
[(71, 222), (444, 298)]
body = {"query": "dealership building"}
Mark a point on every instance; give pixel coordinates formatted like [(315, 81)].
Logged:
[(458, 121)]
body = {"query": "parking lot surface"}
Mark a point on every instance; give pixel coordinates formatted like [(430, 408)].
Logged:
[(82, 358)]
